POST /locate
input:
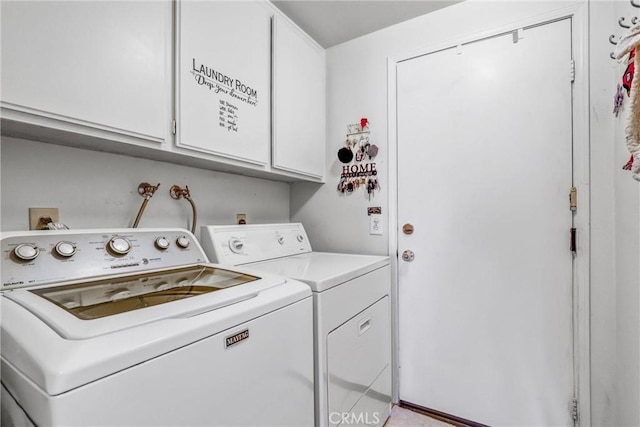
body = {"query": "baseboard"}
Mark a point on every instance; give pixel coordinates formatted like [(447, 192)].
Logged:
[(441, 416)]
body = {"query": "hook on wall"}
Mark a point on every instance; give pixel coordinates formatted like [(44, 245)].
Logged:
[(612, 39), (621, 23), (634, 4), (612, 56), (634, 20)]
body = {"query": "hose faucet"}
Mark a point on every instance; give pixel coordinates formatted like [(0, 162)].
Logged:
[(146, 190), (177, 193)]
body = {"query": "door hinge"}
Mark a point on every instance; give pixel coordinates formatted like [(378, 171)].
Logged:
[(574, 409), (573, 199), (573, 70), (174, 127), (572, 240)]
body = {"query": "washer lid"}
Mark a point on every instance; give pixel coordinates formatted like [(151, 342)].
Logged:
[(53, 351), (322, 270), (87, 309)]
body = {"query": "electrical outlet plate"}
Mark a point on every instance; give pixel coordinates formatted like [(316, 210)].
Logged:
[(36, 213), (375, 224), (241, 218)]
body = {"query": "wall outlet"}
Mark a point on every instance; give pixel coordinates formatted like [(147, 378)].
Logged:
[(375, 224), (39, 217), (241, 218)]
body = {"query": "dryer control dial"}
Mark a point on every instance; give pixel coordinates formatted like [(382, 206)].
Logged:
[(26, 251), (65, 249), (236, 245), (119, 245)]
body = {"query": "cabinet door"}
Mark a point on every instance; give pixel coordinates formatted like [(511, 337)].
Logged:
[(223, 75), (98, 64), (299, 101)]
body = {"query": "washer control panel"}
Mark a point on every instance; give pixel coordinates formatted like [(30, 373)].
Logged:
[(242, 244), (34, 258)]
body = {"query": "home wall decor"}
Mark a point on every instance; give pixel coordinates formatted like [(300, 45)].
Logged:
[(357, 155)]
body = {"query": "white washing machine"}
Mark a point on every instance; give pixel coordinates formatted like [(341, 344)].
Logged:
[(134, 327), (352, 329)]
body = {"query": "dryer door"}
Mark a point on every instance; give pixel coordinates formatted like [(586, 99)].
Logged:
[(357, 353)]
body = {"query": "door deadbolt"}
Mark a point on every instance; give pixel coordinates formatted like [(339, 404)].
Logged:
[(408, 255), (407, 228)]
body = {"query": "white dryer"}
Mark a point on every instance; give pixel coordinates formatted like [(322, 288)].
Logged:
[(134, 327), (352, 329)]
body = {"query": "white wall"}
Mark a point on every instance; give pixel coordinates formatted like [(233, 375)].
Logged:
[(94, 189), (627, 248), (604, 397), (357, 87)]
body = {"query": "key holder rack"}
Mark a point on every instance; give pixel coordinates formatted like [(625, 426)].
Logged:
[(357, 156)]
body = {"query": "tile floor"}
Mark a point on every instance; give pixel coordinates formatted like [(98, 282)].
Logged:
[(401, 417)]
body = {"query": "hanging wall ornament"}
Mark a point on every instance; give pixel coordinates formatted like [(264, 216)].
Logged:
[(618, 100), (372, 151), (345, 155)]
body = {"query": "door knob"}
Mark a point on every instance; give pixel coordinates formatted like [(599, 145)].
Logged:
[(408, 255)]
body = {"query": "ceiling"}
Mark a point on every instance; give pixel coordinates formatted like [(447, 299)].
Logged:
[(331, 22)]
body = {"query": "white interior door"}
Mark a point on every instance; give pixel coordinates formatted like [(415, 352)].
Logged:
[(484, 173)]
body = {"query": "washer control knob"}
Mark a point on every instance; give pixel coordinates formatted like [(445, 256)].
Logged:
[(183, 241), (300, 238), (162, 243), (119, 245), (26, 251), (236, 245), (65, 249), (281, 240)]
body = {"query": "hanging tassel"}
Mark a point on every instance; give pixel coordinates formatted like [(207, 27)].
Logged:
[(629, 164)]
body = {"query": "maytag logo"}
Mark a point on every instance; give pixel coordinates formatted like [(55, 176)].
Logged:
[(236, 338)]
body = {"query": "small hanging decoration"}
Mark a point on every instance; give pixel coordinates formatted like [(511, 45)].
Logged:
[(357, 155), (618, 100)]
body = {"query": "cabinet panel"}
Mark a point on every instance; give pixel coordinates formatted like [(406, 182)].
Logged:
[(299, 101), (223, 79), (99, 64)]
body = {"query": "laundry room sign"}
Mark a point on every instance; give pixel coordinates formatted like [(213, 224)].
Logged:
[(228, 89), (359, 168)]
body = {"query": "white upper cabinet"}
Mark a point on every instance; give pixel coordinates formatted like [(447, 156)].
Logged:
[(224, 80), (88, 64), (298, 102), (224, 85)]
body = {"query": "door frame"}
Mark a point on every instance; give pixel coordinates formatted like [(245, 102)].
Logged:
[(578, 13)]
